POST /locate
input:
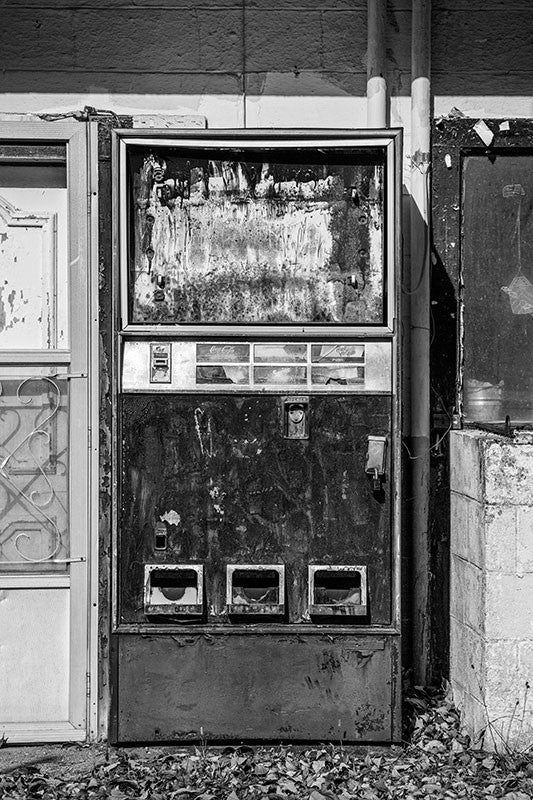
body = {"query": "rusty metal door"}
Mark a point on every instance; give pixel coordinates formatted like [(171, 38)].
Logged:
[(256, 539)]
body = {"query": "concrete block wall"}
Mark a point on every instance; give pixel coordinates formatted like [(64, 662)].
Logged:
[(293, 63), (491, 588)]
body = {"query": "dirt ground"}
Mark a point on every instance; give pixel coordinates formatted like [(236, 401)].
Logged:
[(71, 761), (54, 759)]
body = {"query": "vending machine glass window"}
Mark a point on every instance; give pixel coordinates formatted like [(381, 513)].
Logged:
[(256, 235)]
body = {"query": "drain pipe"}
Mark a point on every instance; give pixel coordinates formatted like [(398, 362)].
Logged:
[(420, 334), (376, 84)]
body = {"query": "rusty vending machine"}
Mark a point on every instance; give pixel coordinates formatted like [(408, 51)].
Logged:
[(256, 552)]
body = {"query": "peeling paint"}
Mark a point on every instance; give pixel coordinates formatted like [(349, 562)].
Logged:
[(172, 517), (33, 263), (2, 310)]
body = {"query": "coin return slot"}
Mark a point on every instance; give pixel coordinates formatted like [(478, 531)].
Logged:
[(160, 361), (337, 591), (173, 590), (258, 590), (160, 536)]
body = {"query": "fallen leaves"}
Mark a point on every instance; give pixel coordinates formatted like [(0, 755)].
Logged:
[(437, 763)]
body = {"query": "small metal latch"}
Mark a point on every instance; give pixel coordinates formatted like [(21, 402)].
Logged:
[(376, 460)]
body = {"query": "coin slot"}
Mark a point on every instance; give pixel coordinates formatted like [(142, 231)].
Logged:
[(160, 536)]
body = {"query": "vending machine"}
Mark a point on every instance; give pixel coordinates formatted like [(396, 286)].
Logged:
[(256, 535)]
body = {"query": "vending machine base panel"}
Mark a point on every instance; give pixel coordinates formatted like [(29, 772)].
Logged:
[(263, 687)]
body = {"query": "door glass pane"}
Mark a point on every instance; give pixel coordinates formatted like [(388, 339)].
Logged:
[(263, 236), (33, 256), (33, 474), (498, 288)]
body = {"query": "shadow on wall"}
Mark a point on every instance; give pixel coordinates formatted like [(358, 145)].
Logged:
[(442, 399), (421, 615)]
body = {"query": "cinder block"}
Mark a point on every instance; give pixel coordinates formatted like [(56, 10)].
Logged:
[(465, 463), (525, 665), (492, 525), (157, 40), (467, 649), (39, 38), (499, 524), (217, 93), (524, 540), (509, 732), (466, 528), (399, 40), (467, 594), (344, 39), (283, 41), (508, 471), (508, 606), (310, 5), (474, 719), (502, 687), (475, 43)]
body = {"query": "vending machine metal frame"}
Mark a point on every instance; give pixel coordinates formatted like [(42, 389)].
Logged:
[(359, 640)]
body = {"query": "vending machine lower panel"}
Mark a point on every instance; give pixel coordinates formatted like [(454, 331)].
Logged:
[(262, 686)]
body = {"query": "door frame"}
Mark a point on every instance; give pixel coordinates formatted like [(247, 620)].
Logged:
[(80, 361)]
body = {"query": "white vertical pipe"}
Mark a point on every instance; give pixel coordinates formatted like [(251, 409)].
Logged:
[(376, 85), (420, 332)]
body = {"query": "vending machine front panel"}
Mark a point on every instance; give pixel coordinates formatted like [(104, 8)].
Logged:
[(256, 549)]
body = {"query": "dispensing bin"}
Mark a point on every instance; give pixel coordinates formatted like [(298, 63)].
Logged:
[(255, 589), (173, 589), (339, 590)]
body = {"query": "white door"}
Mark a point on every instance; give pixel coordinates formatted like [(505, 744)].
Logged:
[(45, 451)]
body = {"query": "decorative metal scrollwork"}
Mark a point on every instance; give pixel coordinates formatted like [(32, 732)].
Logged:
[(39, 501)]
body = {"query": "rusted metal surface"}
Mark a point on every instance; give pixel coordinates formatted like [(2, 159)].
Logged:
[(106, 326), (453, 139), (238, 456), (257, 240), (218, 472), (259, 686), (497, 254)]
